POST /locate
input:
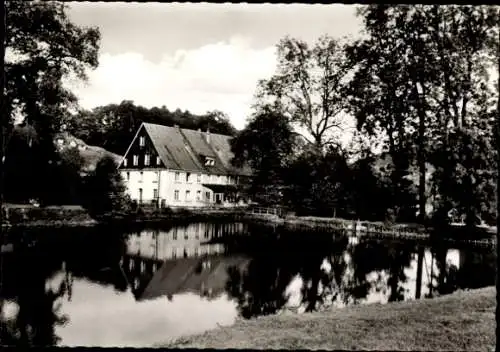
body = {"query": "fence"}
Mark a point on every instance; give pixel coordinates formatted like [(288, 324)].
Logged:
[(267, 211)]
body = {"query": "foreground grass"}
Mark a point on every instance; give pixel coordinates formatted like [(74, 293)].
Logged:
[(457, 322)]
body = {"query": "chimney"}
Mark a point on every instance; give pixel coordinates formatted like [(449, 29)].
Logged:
[(207, 136)]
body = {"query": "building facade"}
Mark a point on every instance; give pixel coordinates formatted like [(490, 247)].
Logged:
[(170, 166)]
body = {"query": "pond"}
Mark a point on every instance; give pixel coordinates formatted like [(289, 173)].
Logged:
[(141, 287)]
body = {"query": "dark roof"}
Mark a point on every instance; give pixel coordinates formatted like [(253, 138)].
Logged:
[(181, 275), (183, 149), (222, 146)]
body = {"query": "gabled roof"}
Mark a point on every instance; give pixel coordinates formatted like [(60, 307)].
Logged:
[(171, 147), (184, 149), (181, 275)]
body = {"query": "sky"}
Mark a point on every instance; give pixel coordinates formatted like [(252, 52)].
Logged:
[(197, 57)]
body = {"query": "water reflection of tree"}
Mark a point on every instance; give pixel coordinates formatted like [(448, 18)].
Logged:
[(276, 260), (38, 314), (27, 271), (377, 257), (477, 269)]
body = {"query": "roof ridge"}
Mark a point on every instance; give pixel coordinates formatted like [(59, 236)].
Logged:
[(187, 129)]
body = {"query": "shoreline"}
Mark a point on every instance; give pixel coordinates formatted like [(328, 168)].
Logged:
[(463, 320), (78, 217)]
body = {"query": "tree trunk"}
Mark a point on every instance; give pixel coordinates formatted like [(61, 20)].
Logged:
[(498, 153), (4, 117), (420, 262), (421, 159)]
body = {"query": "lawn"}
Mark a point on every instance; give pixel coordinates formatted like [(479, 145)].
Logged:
[(464, 320)]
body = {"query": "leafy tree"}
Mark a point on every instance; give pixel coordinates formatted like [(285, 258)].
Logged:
[(308, 87), (319, 184), (467, 164), (380, 91), (266, 144), (104, 189), (421, 78), (114, 125), (42, 48), (68, 176)]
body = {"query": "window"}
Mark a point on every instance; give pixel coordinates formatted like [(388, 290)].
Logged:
[(188, 196), (198, 178), (174, 253), (196, 252), (198, 195), (146, 159), (177, 176), (158, 160), (125, 162), (207, 196), (176, 195), (136, 160), (174, 235), (188, 177), (186, 235), (209, 162), (128, 176), (155, 193), (142, 141)]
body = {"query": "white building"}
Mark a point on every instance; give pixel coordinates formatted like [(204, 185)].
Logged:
[(171, 166)]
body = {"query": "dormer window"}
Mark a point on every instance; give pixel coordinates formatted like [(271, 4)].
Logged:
[(136, 160), (125, 162), (142, 141), (209, 161), (146, 159), (158, 160)]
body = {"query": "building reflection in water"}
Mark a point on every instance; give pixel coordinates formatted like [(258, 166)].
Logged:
[(186, 256)]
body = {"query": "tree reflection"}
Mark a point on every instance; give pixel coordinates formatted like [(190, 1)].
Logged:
[(378, 257), (38, 313), (276, 260), (477, 268), (28, 272)]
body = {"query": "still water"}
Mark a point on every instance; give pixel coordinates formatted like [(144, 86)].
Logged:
[(138, 288)]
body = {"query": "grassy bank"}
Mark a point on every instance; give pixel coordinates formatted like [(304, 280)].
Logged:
[(51, 216), (460, 321), (29, 216)]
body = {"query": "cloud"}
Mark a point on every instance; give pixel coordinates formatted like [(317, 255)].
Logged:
[(220, 76)]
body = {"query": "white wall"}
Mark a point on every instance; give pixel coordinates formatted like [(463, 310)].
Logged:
[(176, 240), (145, 179), (165, 181)]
